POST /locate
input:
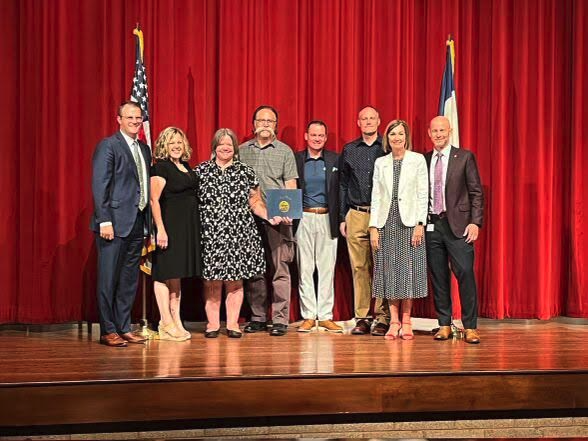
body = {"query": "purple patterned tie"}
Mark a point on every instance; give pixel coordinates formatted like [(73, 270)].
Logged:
[(438, 186)]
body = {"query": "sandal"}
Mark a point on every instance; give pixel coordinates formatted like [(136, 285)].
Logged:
[(171, 332), (393, 331), (404, 335), (183, 330)]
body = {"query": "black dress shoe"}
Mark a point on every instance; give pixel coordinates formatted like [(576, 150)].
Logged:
[(254, 326), (362, 327), (234, 334), (380, 330), (278, 330), (211, 334)]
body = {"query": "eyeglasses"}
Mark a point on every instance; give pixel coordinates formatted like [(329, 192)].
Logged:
[(265, 121)]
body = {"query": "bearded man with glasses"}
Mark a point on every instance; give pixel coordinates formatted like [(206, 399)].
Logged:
[(274, 164)]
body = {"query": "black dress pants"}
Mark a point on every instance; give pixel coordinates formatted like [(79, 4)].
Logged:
[(444, 248)]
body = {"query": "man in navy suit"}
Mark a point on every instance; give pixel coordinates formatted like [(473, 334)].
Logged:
[(456, 211), (120, 186), (318, 230)]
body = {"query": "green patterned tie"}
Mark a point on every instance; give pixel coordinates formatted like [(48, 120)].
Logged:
[(142, 201)]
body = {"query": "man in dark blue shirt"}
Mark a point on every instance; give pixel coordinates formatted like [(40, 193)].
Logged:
[(317, 232), (356, 174)]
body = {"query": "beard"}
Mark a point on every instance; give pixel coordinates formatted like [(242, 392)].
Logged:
[(370, 133)]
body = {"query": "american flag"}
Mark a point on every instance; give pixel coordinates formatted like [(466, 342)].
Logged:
[(139, 90), (139, 95)]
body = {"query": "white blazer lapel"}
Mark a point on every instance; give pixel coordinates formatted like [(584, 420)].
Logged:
[(405, 171), (388, 172)]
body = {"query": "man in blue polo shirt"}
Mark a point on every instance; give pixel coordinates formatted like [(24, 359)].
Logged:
[(318, 230)]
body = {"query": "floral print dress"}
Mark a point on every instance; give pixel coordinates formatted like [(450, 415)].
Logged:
[(231, 244)]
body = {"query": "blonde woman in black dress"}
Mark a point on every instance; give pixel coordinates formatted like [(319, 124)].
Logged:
[(174, 205), (397, 226)]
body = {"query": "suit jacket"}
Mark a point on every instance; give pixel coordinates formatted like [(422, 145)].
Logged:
[(464, 196), (115, 184), (413, 190), (332, 183)]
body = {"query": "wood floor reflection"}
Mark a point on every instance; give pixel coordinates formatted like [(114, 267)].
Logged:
[(71, 355)]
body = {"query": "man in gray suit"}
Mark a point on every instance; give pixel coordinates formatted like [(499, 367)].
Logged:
[(120, 186), (456, 211)]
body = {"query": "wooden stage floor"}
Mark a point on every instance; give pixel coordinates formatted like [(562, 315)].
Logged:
[(63, 376)]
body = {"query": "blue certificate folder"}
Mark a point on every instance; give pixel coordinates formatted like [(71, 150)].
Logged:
[(284, 203)]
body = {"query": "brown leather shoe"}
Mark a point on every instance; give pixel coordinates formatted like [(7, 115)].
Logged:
[(380, 329), (444, 333), (112, 340), (362, 327), (330, 326), (133, 338), (306, 326), (472, 336)]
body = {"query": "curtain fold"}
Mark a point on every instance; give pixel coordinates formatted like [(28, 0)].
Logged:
[(521, 94)]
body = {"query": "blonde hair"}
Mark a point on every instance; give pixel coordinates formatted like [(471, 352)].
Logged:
[(164, 138), (391, 126)]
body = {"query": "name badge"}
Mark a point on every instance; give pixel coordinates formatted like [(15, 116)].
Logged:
[(430, 227)]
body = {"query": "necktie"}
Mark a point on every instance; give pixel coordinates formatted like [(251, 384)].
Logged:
[(438, 186), (142, 196)]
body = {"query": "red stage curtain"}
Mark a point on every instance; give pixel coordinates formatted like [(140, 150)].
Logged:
[(521, 88)]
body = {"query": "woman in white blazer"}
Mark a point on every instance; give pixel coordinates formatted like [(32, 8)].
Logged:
[(397, 226)]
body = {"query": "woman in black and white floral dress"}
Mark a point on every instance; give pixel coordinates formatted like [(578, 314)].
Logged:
[(229, 195)]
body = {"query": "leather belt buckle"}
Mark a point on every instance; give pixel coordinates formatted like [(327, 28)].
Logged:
[(316, 210)]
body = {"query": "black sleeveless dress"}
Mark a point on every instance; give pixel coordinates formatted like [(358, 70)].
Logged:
[(179, 210)]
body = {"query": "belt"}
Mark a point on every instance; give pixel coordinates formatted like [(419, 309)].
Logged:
[(362, 209), (435, 217), (316, 210)]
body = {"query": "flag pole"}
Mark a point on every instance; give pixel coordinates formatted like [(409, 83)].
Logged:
[(448, 108), (145, 330), (140, 96)]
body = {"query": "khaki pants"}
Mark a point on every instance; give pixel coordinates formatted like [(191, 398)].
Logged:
[(360, 256)]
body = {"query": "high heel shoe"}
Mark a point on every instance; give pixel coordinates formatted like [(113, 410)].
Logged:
[(183, 330), (171, 332), (404, 335), (393, 331)]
